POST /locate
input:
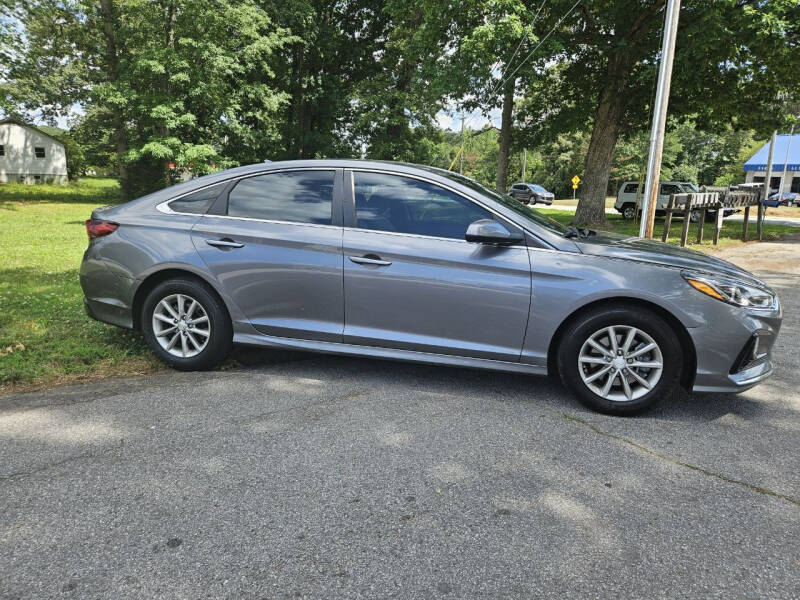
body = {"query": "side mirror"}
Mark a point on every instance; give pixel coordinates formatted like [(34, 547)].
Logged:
[(489, 231)]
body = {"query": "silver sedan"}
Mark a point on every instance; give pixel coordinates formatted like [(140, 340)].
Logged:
[(404, 262)]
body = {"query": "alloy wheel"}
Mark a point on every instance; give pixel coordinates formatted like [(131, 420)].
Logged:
[(620, 363), (181, 325)]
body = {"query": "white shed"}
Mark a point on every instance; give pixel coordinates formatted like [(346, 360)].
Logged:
[(29, 155)]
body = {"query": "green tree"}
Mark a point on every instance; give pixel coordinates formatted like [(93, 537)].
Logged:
[(175, 81), (733, 58)]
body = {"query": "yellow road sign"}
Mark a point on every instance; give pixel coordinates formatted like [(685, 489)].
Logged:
[(575, 181), (574, 186)]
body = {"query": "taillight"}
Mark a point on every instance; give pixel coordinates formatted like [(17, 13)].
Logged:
[(96, 228)]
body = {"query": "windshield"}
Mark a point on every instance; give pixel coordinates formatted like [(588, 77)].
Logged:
[(537, 188), (509, 202)]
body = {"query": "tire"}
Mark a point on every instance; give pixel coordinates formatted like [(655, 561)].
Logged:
[(579, 361), (628, 211), (694, 216), (202, 342)]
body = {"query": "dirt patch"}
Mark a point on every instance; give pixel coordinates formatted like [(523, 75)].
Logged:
[(782, 256)]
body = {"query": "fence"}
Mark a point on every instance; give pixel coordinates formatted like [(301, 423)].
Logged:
[(702, 203)]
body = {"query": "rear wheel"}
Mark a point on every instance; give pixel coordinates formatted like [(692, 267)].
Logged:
[(621, 360), (186, 325)]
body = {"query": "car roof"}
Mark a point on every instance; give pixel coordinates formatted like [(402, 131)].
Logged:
[(442, 176)]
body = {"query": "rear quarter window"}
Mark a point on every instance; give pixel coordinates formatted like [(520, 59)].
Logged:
[(197, 203)]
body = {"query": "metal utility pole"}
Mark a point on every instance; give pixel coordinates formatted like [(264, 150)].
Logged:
[(659, 119), (769, 165), (524, 163), (761, 205), (786, 159), (461, 156)]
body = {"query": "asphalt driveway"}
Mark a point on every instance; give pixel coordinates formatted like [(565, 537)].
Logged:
[(324, 477)]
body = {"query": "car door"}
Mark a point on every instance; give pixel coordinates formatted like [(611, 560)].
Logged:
[(664, 192), (412, 281), (276, 248)]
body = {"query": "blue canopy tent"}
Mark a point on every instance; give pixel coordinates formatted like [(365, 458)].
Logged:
[(756, 167)]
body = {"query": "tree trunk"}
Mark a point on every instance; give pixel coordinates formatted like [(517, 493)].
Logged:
[(117, 118), (605, 133), (505, 136)]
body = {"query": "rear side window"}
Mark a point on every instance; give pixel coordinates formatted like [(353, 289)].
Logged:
[(631, 188), (294, 196), (197, 203)]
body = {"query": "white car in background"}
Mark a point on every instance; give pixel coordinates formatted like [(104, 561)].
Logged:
[(629, 193)]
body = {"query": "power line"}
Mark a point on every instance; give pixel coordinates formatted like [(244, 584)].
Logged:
[(544, 39), (524, 37)]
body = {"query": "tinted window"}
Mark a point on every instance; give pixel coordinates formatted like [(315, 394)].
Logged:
[(508, 201), (404, 205), (197, 203), (295, 196), (631, 188), (668, 188), (38, 151)]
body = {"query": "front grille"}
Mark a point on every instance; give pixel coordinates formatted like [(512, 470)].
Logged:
[(746, 356)]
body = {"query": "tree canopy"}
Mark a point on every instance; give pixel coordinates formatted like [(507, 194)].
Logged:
[(207, 84)]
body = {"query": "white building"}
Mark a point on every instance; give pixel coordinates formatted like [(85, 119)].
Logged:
[(29, 155), (785, 164)]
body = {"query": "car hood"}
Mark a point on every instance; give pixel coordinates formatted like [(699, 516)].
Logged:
[(614, 245)]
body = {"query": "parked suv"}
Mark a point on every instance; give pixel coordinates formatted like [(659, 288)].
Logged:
[(531, 193), (629, 192)]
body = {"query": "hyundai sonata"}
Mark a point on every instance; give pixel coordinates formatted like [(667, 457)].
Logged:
[(397, 261)]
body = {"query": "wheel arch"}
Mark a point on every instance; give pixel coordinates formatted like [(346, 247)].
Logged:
[(166, 274), (689, 366)]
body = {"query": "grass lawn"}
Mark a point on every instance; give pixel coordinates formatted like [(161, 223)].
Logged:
[(574, 202), (45, 337)]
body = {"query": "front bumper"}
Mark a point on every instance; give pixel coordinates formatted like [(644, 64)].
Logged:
[(720, 344)]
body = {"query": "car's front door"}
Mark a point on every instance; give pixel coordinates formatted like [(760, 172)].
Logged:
[(665, 191), (411, 280), (277, 250)]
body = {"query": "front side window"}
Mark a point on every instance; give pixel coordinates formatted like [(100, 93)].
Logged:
[(405, 205), (38, 151), (197, 203), (631, 188), (293, 196)]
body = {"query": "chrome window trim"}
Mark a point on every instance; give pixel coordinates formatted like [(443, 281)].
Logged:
[(271, 221), (438, 184)]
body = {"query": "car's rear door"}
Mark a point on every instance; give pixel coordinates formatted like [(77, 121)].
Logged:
[(276, 248), (411, 280)]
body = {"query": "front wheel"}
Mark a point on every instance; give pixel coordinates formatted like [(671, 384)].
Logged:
[(628, 212), (186, 325), (621, 360)]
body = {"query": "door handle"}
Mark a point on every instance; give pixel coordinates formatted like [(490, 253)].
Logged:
[(370, 259), (224, 243)]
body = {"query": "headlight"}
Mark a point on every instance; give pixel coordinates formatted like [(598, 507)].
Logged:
[(730, 290)]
